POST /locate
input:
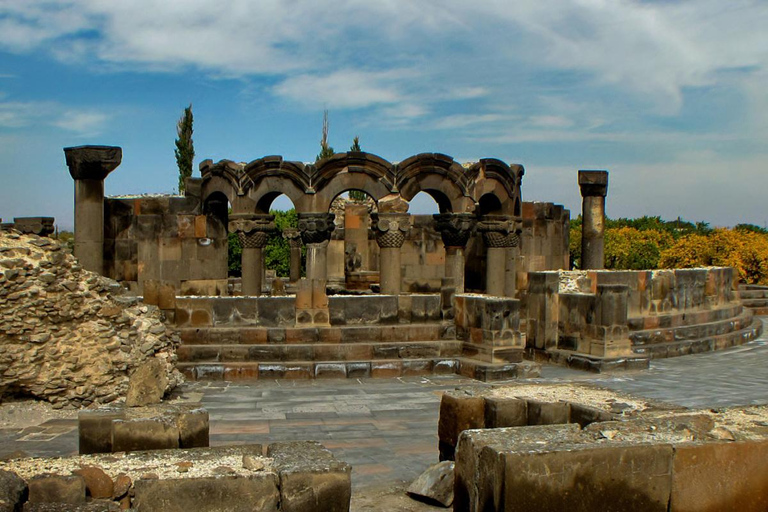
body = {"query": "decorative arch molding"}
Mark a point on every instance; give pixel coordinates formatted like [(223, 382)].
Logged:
[(438, 175), (312, 187)]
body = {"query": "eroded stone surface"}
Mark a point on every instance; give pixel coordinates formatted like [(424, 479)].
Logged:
[(435, 484)]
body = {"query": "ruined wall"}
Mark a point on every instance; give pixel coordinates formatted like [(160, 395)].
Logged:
[(65, 334), (165, 238)]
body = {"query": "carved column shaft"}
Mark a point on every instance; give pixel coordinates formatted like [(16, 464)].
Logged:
[(316, 229), (294, 242), (499, 235), (89, 166), (253, 231), (390, 230), (455, 230), (594, 187)]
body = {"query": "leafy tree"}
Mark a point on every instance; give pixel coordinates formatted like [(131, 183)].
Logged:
[(277, 253), (357, 195), (234, 255), (326, 151), (185, 149), (355, 147), (752, 228)]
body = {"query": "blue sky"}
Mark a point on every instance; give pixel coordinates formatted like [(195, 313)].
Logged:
[(670, 96)]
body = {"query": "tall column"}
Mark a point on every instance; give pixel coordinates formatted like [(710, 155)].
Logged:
[(293, 237), (89, 166), (391, 230), (253, 231), (316, 229), (498, 235), (455, 230), (594, 186)]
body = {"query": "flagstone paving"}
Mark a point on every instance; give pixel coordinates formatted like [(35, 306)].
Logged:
[(387, 428)]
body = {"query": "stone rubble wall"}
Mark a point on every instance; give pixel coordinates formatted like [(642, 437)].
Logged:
[(66, 336)]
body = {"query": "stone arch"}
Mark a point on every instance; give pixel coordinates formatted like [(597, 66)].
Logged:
[(494, 177), (439, 176), (351, 171), (271, 176), (222, 177)]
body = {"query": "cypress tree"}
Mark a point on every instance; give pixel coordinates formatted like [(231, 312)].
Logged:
[(185, 149)]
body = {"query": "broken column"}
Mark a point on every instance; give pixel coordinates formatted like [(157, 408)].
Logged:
[(293, 237), (253, 231), (594, 186), (390, 230), (316, 229), (89, 166), (498, 235), (455, 230)]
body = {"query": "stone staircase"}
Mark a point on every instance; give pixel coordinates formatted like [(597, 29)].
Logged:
[(680, 334), (227, 353), (755, 297)]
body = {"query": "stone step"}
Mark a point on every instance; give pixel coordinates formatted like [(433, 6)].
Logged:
[(691, 332), (665, 321), (318, 352), (703, 344), (308, 335), (384, 368)]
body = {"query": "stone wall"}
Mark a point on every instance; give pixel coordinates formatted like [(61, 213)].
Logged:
[(65, 334), (167, 239)]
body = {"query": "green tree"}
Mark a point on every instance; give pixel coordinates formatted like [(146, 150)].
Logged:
[(357, 195), (355, 147), (185, 149), (326, 151), (277, 252)]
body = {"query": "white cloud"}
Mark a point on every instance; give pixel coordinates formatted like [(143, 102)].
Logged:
[(38, 114), (83, 123), (342, 89)]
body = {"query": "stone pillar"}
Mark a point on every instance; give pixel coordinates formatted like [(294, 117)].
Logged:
[(391, 230), (253, 231), (498, 235), (455, 230), (89, 166), (316, 229), (594, 186), (293, 237)]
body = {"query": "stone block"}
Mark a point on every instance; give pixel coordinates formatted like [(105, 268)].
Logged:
[(311, 478), (144, 434), (193, 425), (57, 489), (211, 494), (459, 411), (505, 412), (720, 476), (13, 491), (95, 429), (584, 414), (548, 413), (100, 505)]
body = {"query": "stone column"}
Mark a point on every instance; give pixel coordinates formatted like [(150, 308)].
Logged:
[(89, 166), (594, 186), (390, 230), (293, 236), (253, 231), (316, 229), (498, 235), (455, 230)]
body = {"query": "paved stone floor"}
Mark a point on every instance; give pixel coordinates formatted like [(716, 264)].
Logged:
[(387, 429)]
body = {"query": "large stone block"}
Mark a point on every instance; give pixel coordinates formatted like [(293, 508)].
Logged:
[(505, 412), (57, 489), (95, 429), (720, 476), (144, 434), (459, 411), (258, 492), (311, 478)]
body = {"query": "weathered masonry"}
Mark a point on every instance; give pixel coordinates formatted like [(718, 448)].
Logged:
[(478, 288)]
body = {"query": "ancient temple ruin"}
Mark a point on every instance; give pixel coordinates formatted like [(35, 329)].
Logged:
[(481, 288)]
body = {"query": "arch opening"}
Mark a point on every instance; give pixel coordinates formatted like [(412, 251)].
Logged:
[(489, 204)]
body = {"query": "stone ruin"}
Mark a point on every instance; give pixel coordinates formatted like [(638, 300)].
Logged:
[(478, 289)]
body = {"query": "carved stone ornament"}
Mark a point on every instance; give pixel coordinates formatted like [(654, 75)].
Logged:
[(390, 228), (316, 228), (455, 228), (252, 229), (498, 231)]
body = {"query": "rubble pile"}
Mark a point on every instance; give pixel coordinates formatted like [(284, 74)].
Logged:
[(66, 334)]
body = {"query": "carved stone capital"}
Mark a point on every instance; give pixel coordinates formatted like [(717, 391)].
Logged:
[(593, 183), (316, 228), (455, 228), (252, 229), (390, 228), (499, 231), (293, 237), (92, 162)]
